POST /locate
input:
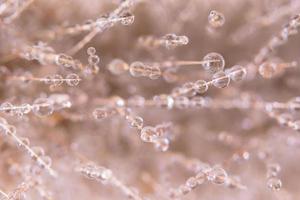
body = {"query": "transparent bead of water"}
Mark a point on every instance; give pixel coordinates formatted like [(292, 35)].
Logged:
[(274, 183), (273, 169), (148, 133), (137, 69), (25, 108), (217, 175), (127, 19), (56, 80), (162, 144), (213, 62), (93, 60), (183, 40), (267, 70), (192, 182), (118, 101), (64, 60), (220, 80), (170, 40), (137, 122), (91, 51), (237, 73), (216, 19), (106, 174), (7, 108), (155, 72), (201, 86), (118, 66), (43, 107), (72, 79)]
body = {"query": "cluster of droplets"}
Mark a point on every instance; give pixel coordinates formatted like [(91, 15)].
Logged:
[(273, 182), (170, 41), (216, 19), (37, 52), (203, 173), (106, 176), (179, 102), (19, 192), (36, 153), (220, 79), (93, 61), (139, 69), (291, 28), (270, 69), (41, 107), (105, 21), (66, 61), (136, 69), (46, 55), (104, 112), (56, 80), (94, 172), (32, 179), (285, 118), (101, 23), (52, 80), (159, 135), (212, 62), (127, 19)]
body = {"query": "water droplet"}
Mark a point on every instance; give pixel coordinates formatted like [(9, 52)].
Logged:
[(213, 62), (91, 51), (42, 107), (220, 80), (127, 19), (216, 19), (267, 70), (72, 79), (274, 183)]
